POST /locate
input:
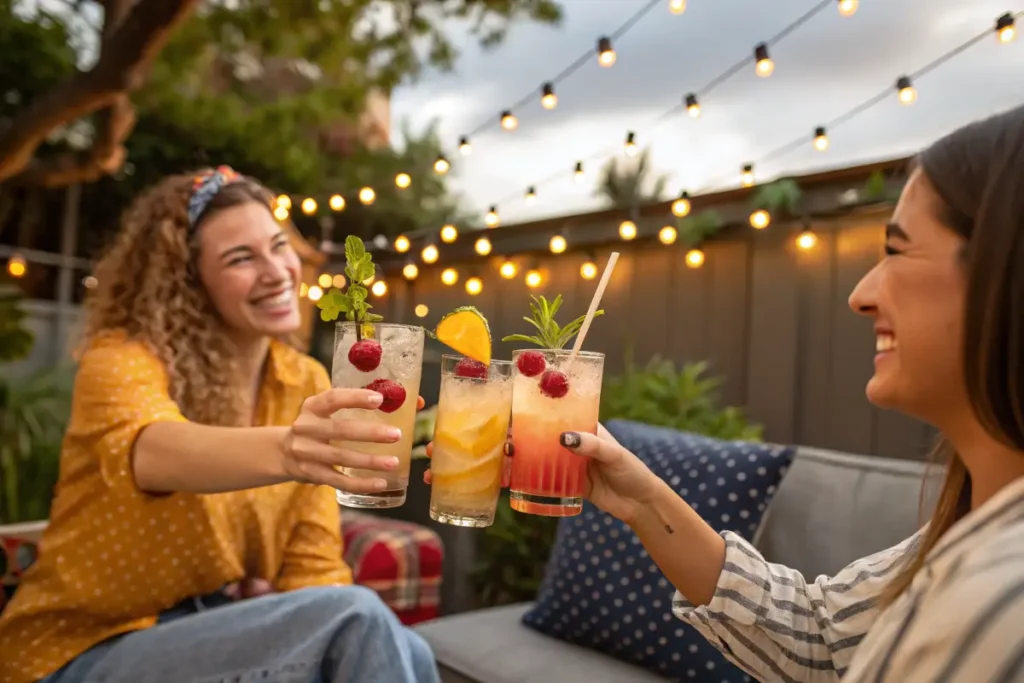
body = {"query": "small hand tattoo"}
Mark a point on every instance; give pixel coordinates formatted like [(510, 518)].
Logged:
[(669, 529), (570, 439)]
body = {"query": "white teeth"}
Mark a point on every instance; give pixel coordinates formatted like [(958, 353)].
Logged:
[(281, 299), (885, 342)]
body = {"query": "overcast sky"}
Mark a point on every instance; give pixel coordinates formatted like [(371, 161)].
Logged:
[(823, 69)]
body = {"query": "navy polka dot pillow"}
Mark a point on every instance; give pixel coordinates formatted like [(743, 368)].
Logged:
[(602, 590)]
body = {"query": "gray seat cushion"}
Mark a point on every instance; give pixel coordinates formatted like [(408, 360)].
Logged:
[(833, 508), (493, 646)]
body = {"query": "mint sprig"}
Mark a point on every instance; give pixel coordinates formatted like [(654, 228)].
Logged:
[(358, 267), (550, 335)]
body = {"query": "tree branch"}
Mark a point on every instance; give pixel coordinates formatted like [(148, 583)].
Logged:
[(127, 51)]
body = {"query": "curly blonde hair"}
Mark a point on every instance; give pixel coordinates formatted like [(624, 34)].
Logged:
[(149, 289)]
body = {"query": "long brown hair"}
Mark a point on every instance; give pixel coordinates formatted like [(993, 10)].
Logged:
[(977, 172), (149, 289)]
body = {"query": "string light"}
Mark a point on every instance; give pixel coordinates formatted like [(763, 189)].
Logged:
[(337, 202), (605, 51), (491, 219), (379, 288), (627, 230), (509, 120), (747, 175), (421, 310), (765, 66), (401, 244), (557, 244), (508, 269), (548, 99), (17, 266), (284, 201), (465, 149), (314, 293), (760, 219), (449, 233), (441, 165), (848, 7), (429, 254), (474, 286), (630, 146), (410, 271), (324, 280), (676, 6), (367, 196), (907, 91), (820, 139), (577, 174), (692, 105), (482, 246), (667, 235), (90, 282), (1006, 28), (588, 271), (694, 258), (806, 240), (303, 289), (533, 278), (531, 195), (338, 281), (281, 213), (309, 206), (449, 276), (403, 180), (681, 206)]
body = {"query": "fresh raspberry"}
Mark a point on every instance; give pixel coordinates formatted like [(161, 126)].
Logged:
[(554, 383), (392, 391), (474, 369), (365, 355), (531, 363)]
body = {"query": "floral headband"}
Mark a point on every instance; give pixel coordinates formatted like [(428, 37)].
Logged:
[(205, 187)]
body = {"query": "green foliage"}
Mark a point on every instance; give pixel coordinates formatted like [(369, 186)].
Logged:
[(511, 556), (780, 197), (359, 268), (877, 189), (423, 431), (15, 339), (624, 183), (549, 334), (696, 228)]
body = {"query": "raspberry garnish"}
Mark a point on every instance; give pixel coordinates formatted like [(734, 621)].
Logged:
[(531, 363), (365, 355), (554, 383), (392, 391), (474, 369)]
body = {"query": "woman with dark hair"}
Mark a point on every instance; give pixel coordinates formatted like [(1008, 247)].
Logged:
[(199, 455)]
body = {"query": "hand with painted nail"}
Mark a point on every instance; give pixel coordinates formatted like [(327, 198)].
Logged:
[(310, 455), (617, 481)]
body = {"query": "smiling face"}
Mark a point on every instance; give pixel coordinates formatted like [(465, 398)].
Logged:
[(249, 270), (916, 297)]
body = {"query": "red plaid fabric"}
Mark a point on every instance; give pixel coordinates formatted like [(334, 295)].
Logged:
[(401, 561)]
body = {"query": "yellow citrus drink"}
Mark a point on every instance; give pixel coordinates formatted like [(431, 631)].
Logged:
[(473, 412)]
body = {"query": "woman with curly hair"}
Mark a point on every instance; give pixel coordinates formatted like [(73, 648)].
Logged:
[(199, 455)]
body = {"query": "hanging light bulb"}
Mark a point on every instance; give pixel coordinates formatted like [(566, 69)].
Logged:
[(421, 310), (410, 271), (630, 147), (588, 271), (284, 201), (747, 175), (449, 276), (765, 66), (465, 149), (681, 206), (379, 288), (336, 202), (90, 282), (676, 6), (401, 244), (605, 51), (491, 219), (325, 280), (907, 91), (403, 180), (17, 266), (441, 165), (429, 254), (314, 293), (474, 286), (667, 235), (531, 196), (557, 244), (508, 269), (848, 7), (509, 120), (577, 174), (309, 206), (627, 230), (281, 213), (533, 278), (1006, 28), (820, 139), (760, 219), (449, 233), (482, 246), (548, 99), (806, 240), (692, 105), (694, 258), (339, 281), (367, 195)]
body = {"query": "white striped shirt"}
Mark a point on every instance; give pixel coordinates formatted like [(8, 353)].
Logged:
[(961, 620)]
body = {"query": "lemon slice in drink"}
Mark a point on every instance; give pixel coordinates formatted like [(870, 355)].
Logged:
[(465, 330)]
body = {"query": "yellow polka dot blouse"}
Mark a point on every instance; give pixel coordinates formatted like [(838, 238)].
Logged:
[(113, 557)]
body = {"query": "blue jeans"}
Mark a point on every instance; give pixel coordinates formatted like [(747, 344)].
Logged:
[(314, 635)]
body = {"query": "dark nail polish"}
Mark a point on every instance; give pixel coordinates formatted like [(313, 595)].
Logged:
[(570, 439), (510, 450)]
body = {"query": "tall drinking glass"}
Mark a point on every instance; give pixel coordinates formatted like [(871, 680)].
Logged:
[(473, 412), (548, 479), (398, 374)]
